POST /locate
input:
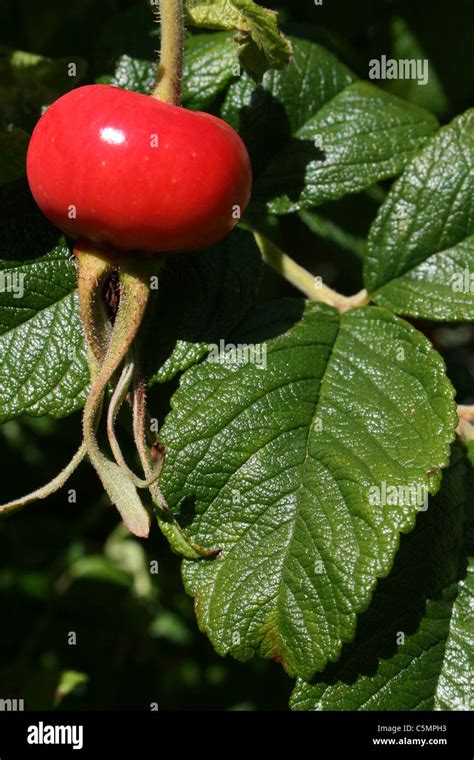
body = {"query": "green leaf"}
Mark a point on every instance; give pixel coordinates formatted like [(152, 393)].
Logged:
[(43, 368), (217, 286), (275, 461), (260, 44), (269, 115), (413, 645), (421, 246), (13, 147), (454, 690), (363, 135), (210, 65), (132, 74), (314, 134)]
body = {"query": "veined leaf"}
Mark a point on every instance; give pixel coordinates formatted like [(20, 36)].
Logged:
[(420, 253), (454, 689), (413, 649), (363, 135), (315, 134), (132, 74), (455, 684), (43, 368), (210, 65), (282, 458), (269, 115)]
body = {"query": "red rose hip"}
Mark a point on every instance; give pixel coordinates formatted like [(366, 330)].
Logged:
[(122, 169)]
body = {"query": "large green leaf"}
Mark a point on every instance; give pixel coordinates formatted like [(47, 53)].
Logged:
[(413, 649), (275, 461), (269, 115), (315, 134), (363, 135), (260, 44), (421, 245), (43, 368)]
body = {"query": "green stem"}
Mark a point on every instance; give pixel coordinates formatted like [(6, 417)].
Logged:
[(304, 281), (170, 71)]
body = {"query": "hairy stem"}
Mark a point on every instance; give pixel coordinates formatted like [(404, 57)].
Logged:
[(303, 280), (51, 487), (140, 432), (170, 70), (93, 270)]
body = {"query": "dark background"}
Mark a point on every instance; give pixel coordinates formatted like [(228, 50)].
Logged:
[(67, 567)]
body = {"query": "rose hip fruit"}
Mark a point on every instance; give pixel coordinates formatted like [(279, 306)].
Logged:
[(126, 170)]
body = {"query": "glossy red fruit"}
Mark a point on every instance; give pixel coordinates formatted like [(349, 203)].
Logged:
[(119, 168)]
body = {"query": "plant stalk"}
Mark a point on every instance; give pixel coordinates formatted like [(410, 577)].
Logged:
[(170, 70), (304, 281)]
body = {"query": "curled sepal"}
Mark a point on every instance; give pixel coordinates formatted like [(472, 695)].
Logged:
[(122, 492), (116, 402)]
